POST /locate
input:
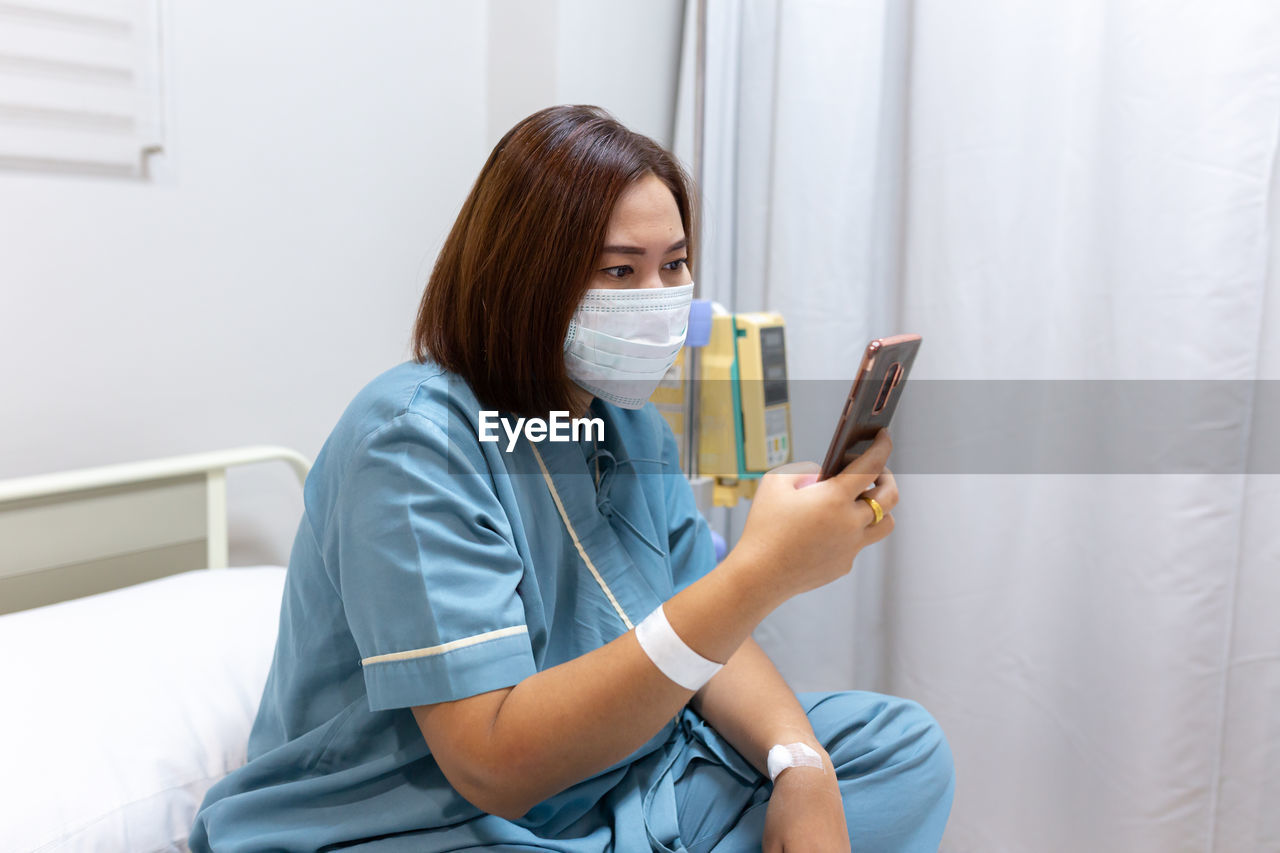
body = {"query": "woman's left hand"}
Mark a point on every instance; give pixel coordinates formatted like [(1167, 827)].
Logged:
[(806, 813)]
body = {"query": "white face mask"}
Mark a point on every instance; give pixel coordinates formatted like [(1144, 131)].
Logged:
[(622, 342)]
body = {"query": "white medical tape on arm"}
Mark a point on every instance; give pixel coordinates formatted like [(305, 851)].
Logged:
[(784, 755), (669, 653)]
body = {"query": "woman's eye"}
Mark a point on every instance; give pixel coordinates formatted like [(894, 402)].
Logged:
[(617, 272), (676, 264)]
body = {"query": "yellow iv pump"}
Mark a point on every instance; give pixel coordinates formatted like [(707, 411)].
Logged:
[(743, 407)]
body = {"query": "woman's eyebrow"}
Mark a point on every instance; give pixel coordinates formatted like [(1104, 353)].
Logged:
[(638, 250)]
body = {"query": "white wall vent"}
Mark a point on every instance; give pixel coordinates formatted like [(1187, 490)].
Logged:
[(79, 84)]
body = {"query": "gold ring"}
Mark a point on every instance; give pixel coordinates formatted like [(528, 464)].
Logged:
[(875, 507)]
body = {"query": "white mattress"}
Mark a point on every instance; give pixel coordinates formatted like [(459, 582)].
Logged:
[(121, 709)]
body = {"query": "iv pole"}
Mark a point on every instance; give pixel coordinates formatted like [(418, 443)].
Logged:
[(699, 128)]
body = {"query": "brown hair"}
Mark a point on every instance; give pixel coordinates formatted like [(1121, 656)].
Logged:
[(522, 251)]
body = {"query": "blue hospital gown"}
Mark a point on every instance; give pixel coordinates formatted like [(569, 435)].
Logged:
[(429, 566)]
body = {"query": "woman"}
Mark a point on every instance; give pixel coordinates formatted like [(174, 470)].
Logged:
[(527, 645)]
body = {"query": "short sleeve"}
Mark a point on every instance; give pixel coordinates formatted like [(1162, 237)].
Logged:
[(427, 569), (693, 554)]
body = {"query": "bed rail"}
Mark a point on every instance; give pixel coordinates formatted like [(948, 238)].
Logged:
[(74, 533)]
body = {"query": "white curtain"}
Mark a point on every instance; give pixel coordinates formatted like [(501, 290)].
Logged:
[(1044, 191)]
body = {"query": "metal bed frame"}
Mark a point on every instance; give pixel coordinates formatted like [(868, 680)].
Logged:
[(76, 533)]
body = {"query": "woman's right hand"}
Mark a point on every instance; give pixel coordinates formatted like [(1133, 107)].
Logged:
[(802, 534)]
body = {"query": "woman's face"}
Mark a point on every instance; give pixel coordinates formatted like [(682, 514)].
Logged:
[(644, 244)]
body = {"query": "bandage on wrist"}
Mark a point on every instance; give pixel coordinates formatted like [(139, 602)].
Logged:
[(669, 653), (784, 755)]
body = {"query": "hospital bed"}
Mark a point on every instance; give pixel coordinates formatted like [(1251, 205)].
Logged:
[(132, 659)]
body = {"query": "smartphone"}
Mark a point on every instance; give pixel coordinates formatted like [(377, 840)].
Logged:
[(875, 394)]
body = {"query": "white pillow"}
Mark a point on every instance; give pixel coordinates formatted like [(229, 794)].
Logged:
[(120, 710)]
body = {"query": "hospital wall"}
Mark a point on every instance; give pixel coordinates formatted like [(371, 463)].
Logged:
[(271, 264)]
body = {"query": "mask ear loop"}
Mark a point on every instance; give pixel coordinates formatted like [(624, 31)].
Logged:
[(577, 543), (604, 486)]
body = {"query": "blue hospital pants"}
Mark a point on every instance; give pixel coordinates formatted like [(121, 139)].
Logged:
[(699, 795), (892, 761)]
